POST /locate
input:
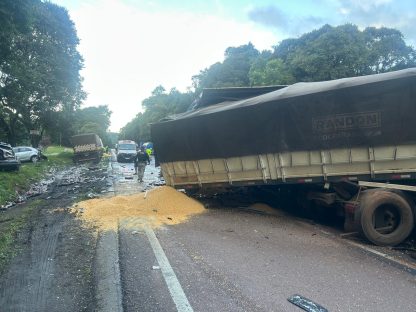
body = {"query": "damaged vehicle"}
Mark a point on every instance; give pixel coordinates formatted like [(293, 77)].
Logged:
[(8, 160), (26, 153)]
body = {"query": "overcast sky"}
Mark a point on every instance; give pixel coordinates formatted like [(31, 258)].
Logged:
[(132, 46)]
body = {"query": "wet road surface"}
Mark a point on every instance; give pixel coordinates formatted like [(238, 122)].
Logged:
[(226, 259), (123, 180)]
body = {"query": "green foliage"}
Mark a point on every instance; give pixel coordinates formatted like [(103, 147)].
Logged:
[(267, 71), (323, 54), (16, 181), (39, 66), (93, 120), (112, 138), (336, 52), (233, 72)]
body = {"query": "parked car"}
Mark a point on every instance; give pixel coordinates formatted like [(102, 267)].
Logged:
[(8, 161), (26, 153)]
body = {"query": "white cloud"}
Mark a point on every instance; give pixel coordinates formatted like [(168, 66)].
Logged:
[(128, 52), (367, 5), (381, 13)]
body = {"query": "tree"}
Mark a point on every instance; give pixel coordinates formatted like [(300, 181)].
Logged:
[(233, 72), (268, 71), (93, 120), (39, 65), (96, 114), (343, 51), (387, 50)]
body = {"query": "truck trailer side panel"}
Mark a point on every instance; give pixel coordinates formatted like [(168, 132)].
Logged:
[(376, 163)]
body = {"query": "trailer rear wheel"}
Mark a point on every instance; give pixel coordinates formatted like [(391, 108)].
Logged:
[(386, 217)]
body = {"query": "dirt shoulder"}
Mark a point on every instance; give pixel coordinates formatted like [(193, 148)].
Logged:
[(49, 266)]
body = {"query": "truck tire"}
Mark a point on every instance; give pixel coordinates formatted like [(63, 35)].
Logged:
[(386, 218)]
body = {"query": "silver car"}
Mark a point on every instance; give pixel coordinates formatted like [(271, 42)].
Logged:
[(26, 153)]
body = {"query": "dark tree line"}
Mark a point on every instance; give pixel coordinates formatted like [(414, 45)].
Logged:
[(40, 82), (323, 54)]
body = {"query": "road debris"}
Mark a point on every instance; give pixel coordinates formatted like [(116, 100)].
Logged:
[(265, 209), (306, 304), (74, 180)]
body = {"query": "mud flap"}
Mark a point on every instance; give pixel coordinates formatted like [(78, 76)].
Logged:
[(306, 304)]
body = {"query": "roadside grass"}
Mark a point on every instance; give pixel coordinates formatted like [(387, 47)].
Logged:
[(12, 183), (11, 223)]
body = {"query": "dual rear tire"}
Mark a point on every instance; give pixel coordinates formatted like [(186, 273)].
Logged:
[(386, 218)]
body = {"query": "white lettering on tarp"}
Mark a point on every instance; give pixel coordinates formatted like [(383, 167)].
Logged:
[(346, 135), (85, 148), (343, 122)]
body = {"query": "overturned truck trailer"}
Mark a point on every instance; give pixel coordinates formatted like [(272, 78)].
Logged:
[(352, 140)]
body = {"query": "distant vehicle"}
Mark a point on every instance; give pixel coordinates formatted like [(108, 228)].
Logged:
[(126, 150), (87, 147), (26, 153), (8, 160)]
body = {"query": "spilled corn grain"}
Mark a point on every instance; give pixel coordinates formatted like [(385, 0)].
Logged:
[(266, 209), (163, 205)]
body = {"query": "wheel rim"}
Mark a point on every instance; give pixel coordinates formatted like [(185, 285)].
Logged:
[(386, 219)]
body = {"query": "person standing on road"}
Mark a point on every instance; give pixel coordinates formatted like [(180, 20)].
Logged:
[(140, 161)]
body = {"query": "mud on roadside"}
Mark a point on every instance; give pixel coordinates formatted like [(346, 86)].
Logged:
[(49, 266)]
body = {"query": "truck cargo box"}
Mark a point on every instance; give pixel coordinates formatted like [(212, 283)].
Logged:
[(332, 140), (368, 111), (87, 147)]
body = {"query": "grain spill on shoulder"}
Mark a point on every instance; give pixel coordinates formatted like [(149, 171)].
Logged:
[(163, 205)]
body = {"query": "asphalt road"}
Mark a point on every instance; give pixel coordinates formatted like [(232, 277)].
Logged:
[(222, 260), (228, 260), (236, 260)]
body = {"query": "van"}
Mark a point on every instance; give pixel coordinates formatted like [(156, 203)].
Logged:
[(126, 150)]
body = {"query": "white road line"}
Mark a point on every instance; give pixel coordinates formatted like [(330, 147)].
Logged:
[(380, 254), (175, 288)]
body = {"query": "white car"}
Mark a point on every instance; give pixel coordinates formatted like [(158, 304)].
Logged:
[(26, 153)]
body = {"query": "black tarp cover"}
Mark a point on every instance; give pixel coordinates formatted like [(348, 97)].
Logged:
[(370, 110), (212, 96)]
